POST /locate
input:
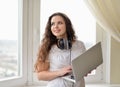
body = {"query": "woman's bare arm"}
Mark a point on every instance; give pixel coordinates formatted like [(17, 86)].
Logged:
[(50, 75)]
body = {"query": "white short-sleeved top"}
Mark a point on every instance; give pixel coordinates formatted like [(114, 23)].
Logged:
[(60, 58)]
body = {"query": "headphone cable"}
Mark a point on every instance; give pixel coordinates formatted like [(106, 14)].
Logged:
[(72, 77)]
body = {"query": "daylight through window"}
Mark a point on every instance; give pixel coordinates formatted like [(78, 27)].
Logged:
[(9, 47)]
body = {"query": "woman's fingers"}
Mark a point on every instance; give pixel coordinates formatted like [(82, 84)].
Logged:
[(65, 70)]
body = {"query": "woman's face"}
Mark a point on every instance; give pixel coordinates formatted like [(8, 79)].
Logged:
[(58, 27)]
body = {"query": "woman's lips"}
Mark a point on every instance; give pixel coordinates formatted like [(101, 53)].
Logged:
[(56, 31)]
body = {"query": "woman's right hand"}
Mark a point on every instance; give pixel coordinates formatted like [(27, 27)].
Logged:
[(64, 71)]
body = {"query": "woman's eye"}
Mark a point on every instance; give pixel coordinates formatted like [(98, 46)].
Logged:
[(52, 24), (59, 22)]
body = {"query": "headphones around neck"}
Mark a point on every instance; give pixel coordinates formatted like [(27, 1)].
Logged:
[(64, 44)]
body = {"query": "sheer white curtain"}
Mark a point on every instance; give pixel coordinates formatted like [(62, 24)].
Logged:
[(107, 14)]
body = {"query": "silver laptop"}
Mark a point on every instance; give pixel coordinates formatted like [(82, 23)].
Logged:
[(86, 62)]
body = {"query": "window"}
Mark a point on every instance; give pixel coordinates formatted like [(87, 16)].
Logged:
[(12, 43), (9, 65), (82, 20)]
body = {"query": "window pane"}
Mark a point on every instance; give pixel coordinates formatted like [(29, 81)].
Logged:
[(9, 64)]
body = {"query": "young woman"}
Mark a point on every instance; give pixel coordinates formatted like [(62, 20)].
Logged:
[(58, 48)]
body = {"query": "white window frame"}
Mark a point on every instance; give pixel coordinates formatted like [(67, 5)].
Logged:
[(23, 27)]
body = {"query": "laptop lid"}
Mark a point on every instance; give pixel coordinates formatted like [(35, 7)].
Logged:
[(87, 61)]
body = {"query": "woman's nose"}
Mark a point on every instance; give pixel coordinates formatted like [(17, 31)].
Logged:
[(56, 25)]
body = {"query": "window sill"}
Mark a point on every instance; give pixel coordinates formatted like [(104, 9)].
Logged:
[(89, 85)]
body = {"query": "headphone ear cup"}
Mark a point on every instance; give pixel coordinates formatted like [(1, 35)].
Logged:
[(64, 44), (60, 44)]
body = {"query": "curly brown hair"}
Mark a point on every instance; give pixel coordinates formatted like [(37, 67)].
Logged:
[(49, 39)]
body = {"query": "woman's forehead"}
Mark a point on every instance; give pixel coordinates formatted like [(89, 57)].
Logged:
[(57, 18)]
